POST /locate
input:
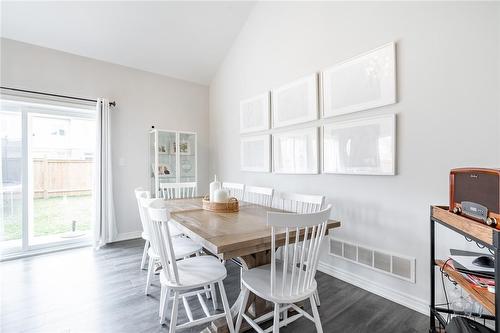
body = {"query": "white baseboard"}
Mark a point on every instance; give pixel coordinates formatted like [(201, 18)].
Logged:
[(128, 235), (409, 301)]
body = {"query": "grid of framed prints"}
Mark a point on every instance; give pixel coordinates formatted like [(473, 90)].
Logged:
[(363, 82), (295, 102), (255, 114), (256, 153), (296, 151), (363, 146)]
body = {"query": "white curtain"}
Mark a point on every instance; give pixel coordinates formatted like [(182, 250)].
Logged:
[(105, 230)]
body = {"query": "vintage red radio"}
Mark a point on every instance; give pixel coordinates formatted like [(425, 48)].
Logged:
[(475, 193)]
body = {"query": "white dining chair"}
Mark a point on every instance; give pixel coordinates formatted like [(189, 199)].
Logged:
[(284, 283), (170, 191), (184, 278), (236, 190), (184, 248), (141, 193), (259, 195), (300, 204)]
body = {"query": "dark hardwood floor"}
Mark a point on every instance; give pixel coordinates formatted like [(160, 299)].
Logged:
[(85, 291)]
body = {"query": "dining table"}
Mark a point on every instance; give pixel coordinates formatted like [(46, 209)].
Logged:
[(243, 236)]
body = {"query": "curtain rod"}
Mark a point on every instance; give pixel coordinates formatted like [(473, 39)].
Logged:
[(55, 95)]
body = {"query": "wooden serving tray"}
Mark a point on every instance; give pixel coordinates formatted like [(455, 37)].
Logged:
[(221, 207)]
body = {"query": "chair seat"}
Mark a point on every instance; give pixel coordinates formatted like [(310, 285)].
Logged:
[(174, 232), (196, 272), (258, 281), (183, 247)]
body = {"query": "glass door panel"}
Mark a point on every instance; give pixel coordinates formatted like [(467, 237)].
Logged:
[(167, 161), (62, 166), (187, 157), (11, 171)]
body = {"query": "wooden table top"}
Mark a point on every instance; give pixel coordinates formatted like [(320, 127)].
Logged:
[(227, 235)]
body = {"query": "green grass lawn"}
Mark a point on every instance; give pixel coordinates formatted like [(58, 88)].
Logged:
[(51, 216)]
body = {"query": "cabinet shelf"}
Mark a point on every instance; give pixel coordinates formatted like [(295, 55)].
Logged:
[(475, 230)]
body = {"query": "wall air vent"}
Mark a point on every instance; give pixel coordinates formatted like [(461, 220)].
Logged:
[(398, 266)]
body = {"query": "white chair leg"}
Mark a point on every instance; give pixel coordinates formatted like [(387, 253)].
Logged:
[(145, 255), (276, 323), (285, 316), (316, 298), (162, 300), (246, 294), (151, 264), (207, 291), (165, 306), (317, 321), (173, 316), (214, 296), (227, 309)]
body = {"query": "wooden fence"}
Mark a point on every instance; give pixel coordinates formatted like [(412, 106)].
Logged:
[(62, 177)]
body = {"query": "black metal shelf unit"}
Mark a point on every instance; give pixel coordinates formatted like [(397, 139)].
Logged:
[(486, 236)]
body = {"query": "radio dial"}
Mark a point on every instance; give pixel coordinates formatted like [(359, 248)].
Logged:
[(491, 221)]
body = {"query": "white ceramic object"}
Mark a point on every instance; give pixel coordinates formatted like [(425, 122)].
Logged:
[(220, 196), (214, 186)]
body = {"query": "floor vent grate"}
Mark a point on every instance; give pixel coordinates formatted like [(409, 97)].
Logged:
[(395, 265)]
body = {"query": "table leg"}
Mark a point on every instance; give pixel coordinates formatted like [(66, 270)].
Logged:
[(256, 306)]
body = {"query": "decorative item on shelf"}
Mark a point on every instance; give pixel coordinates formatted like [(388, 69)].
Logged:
[(184, 148), (173, 148), (163, 169), (475, 194), (214, 186), (162, 149), (231, 206)]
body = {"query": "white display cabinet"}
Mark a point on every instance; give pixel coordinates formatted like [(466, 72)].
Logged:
[(172, 158)]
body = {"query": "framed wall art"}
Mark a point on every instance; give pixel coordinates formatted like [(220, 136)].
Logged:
[(256, 153), (295, 102), (255, 114), (363, 82), (296, 151), (361, 147)]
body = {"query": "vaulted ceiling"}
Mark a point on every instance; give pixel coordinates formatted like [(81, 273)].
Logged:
[(181, 39)]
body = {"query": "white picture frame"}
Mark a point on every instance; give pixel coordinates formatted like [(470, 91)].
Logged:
[(364, 82), (255, 153), (296, 151), (255, 113), (295, 102), (365, 146)]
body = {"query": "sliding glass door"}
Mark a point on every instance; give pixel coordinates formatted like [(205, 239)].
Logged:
[(47, 176)]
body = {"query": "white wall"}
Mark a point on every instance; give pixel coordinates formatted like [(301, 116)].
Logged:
[(448, 113), (143, 99)]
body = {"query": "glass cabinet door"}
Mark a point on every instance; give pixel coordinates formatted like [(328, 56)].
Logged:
[(187, 157), (167, 162)]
